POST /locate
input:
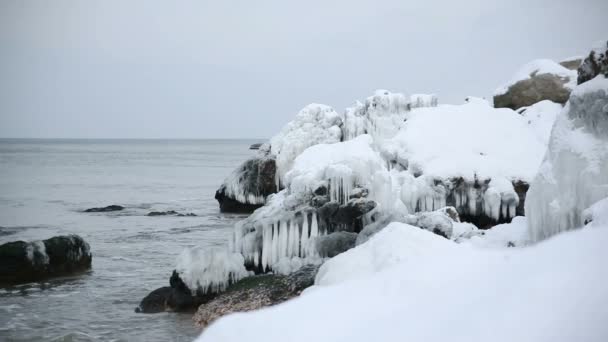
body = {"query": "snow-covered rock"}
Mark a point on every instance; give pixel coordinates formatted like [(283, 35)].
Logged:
[(574, 173), (541, 79), (406, 284), (596, 63), (571, 63)]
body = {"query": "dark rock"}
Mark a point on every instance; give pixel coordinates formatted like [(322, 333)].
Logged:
[(596, 63), (256, 292), (571, 64), (359, 193), (319, 201), (328, 246), (255, 146), (254, 178), (22, 262), (349, 215), (174, 298), (327, 211), (109, 208), (534, 89), (169, 213), (320, 191)]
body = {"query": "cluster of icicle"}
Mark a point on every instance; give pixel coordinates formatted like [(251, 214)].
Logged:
[(498, 200), (423, 100), (279, 240)]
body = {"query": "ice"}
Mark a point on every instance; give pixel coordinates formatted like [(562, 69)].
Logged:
[(423, 100), (574, 173), (539, 66), (314, 124), (36, 252), (210, 270), (407, 284), (597, 214)]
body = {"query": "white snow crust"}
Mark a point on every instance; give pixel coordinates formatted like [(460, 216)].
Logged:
[(407, 284)]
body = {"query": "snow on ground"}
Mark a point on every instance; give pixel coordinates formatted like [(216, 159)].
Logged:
[(574, 173), (541, 117), (537, 67), (407, 284)]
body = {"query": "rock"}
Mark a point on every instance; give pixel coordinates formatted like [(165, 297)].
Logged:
[(109, 208), (437, 222), (319, 201), (174, 298), (534, 89), (256, 292), (22, 262), (169, 213), (248, 186), (350, 214), (328, 246), (358, 193), (255, 146), (571, 63), (596, 63)]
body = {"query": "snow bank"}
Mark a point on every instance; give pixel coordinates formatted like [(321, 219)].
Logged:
[(209, 270), (538, 67), (541, 117), (574, 173), (314, 124), (416, 286)]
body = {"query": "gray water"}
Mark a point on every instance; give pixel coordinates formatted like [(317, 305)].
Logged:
[(45, 185)]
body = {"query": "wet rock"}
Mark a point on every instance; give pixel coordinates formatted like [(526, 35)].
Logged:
[(22, 261), (247, 187), (174, 298), (169, 213), (256, 292), (328, 246), (109, 208), (596, 63)]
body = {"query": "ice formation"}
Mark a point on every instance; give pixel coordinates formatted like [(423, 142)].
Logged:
[(423, 100), (380, 116), (209, 270), (538, 67), (314, 124), (574, 173), (36, 252)]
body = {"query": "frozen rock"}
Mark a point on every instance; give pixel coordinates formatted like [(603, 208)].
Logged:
[(596, 63), (574, 173), (22, 262), (330, 245), (538, 80)]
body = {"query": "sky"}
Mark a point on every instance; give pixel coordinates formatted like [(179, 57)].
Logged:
[(243, 69)]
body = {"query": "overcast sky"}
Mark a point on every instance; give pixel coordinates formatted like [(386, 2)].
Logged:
[(230, 69)]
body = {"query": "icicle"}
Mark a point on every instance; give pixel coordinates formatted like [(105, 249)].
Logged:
[(265, 246), (314, 227), (283, 239), (275, 243), (304, 238)]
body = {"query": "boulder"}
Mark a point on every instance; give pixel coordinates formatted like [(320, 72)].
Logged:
[(256, 292), (22, 262), (596, 63), (328, 246), (536, 81), (571, 63), (109, 208), (248, 186), (255, 146), (169, 213)]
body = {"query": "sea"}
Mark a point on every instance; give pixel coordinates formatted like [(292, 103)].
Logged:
[(45, 185)]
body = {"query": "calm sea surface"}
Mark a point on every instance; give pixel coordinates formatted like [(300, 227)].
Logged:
[(44, 186)]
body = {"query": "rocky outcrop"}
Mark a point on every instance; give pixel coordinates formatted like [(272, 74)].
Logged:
[(174, 298), (169, 213), (255, 293), (255, 146), (571, 63), (22, 261), (596, 63), (328, 246), (109, 208), (536, 81), (248, 186)]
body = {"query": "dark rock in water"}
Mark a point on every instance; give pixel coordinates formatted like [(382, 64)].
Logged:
[(174, 298), (22, 262), (328, 246), (248, 186), (168, 213), (255, 146), (596, 63), (109, 208), (256, 292)]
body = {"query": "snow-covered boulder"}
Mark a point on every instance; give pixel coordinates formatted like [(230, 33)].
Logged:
[(541, 79), (574, 173), (247, 188), (596, 63), (22, 262), (473, 157)]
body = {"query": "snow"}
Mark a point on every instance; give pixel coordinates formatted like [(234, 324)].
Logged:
[(574, 173), (407, 284), (597, 214), (423, 100), (513, 234), (541, 117), (538, 67), (314, 124), (210, 270)]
